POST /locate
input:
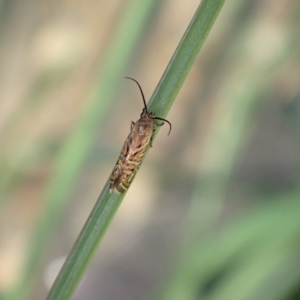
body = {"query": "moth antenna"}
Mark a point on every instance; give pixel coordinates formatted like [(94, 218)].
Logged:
[(157, 118), (141, 92)]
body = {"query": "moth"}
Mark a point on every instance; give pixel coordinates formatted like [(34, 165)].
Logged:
[(133, 151)]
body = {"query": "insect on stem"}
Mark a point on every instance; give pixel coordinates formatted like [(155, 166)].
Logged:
[(133, 151)]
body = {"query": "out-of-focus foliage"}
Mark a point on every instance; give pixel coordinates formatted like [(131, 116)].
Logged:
[(215, 213)]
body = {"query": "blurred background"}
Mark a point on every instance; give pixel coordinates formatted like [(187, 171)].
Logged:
[(214, 212)]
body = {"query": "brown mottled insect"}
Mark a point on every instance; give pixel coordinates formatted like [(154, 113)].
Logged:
[(135, 146)]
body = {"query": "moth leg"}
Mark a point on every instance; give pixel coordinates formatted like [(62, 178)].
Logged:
[(128, 172), (114, 175), (131, 162), (131, 176), (126, 160), (140, 148), (117, 170)]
